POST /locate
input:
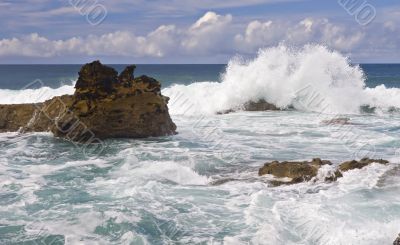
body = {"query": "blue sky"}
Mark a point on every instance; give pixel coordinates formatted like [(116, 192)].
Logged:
[(191, 31)]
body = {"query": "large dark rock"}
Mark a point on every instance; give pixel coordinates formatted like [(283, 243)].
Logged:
[(104, 105), (96, 79)]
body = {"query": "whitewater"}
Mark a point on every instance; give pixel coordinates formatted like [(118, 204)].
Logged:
[(202, 186)]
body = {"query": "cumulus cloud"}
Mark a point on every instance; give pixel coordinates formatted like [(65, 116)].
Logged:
[(259, 34), (203, 36), (211, 35), (117, 43), (207, 33)]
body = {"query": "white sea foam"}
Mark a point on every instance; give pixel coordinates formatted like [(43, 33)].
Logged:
[(312, 78), (33, 95)]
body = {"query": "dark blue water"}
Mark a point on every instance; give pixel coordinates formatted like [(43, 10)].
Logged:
[(388, 74), (18, 76)]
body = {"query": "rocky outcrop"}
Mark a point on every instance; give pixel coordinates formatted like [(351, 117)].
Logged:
[(260, 105), (104, 105), (297, 172)]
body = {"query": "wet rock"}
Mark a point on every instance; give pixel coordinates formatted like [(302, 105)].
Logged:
[(350, 165), (104, 105), (296, 172), (260, 105), (337, 121), (397, 241), (222, 181), (226, 112)]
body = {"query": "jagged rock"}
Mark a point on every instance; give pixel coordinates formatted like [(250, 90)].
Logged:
[(397, 241), (104, 105), (127, 75), (96, 79), (260, 105), (350, 165), (297, 172)]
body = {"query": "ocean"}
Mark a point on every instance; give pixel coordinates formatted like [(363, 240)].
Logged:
[(201, 186)]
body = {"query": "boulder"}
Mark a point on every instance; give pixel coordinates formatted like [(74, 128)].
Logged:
[(350, 165), (104, 105), (296, 172)]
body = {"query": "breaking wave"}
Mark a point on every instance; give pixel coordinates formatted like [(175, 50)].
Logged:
[(312, 78)]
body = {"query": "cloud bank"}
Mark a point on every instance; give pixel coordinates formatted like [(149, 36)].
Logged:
[(212, 34)]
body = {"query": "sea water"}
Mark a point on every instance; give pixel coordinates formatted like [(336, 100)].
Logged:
[(201, 186)]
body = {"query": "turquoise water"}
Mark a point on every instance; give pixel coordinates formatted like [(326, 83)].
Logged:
[(201, 186)]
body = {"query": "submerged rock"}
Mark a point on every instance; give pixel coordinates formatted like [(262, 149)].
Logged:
[(260, 105), (298, 172), (350, 165), (104, 105), (337, 121)]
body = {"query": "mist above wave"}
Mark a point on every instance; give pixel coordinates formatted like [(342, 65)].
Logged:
[(311, 78)]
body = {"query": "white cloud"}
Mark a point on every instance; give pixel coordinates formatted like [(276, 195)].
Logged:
[(203, 36), (321, 31), (211, 35), (260, 34), (112, 44), (207, 33)]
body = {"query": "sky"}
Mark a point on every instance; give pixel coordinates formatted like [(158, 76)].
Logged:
[(193, 31)]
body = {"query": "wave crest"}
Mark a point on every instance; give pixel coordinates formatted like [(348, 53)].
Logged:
[(312, 78)]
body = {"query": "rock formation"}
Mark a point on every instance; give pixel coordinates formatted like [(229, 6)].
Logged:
[(104, 105), (297, 172)]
